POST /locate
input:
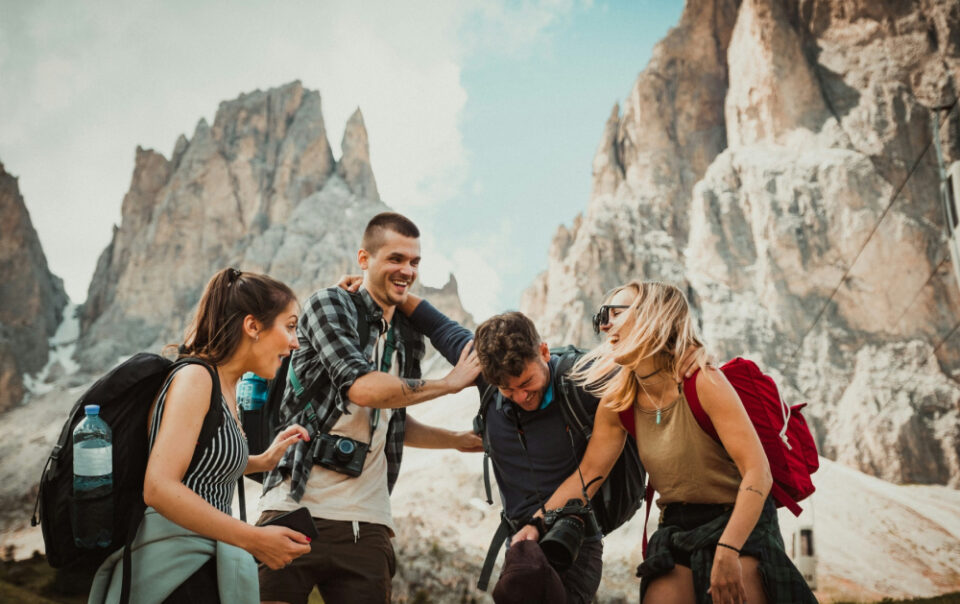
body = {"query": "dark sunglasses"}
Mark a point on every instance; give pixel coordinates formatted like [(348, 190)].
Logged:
[(603, 316)]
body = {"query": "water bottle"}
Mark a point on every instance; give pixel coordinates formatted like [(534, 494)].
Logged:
[(92, 508), (252, 392)]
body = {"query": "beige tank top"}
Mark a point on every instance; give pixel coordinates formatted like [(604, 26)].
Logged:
[(684, 464)]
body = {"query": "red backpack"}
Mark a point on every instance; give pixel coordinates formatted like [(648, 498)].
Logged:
[(784, 434)]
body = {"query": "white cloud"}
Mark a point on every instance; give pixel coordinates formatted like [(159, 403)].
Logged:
[(478, 279), (84, 84), (479, 282)]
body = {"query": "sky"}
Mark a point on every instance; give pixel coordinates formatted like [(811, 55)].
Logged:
[(483, 116)]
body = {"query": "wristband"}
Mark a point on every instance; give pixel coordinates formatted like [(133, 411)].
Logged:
[(719, 544)]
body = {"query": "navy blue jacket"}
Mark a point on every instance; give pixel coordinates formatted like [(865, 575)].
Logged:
[(525, 479)]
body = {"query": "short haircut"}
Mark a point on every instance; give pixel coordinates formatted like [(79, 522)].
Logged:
[(386, 221), (505, 344)]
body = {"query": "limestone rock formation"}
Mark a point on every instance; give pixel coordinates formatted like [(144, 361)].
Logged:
[(354, 167), (258, 190), (447, 298), (783, 174), (32, 299)]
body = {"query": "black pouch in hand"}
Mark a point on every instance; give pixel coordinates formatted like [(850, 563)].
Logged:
[(298, 520)]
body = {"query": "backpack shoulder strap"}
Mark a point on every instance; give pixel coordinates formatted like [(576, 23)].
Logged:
[(647, 502), (690, 392), (487, 396), (363, 318), (568, 394), (214, 418), (503, 532), (269, 418)]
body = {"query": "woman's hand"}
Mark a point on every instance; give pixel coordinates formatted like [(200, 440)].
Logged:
[(269, 459), (726, 578), (278, 546)]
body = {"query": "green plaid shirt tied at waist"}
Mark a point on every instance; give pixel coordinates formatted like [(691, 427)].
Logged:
[(782, 582), (330, 359)]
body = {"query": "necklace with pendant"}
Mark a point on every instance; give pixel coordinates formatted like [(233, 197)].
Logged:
[(659, 414), (640, 379)]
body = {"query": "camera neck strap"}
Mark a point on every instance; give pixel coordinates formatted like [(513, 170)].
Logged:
[(583, 485), (386, 363)]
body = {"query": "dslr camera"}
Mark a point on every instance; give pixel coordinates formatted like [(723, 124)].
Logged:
[(341, 454), (567, 527)]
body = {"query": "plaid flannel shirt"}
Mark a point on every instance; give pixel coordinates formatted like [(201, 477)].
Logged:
[(330, 359), (782, 582)]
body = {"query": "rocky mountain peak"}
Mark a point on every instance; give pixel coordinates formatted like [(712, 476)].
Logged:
[(32, 299), (777, 164), (354, 165), (258, 190)]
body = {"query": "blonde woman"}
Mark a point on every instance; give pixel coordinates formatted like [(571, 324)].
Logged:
[(718, 539)]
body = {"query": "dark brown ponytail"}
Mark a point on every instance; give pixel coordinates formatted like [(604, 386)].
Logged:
[(231, 295)]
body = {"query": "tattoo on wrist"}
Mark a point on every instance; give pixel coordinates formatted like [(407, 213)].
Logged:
[(753, 490), (412, 386)]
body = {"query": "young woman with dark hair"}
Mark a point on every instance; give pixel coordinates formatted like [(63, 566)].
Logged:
[(244, 322)]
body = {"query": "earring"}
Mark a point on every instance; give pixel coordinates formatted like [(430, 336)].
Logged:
[(256, 338)]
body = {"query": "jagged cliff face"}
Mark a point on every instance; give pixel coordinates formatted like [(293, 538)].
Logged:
[(774, 159), (259, 190), (31, 298)]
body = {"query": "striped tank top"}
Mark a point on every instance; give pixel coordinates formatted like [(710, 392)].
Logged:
[(223, 459)]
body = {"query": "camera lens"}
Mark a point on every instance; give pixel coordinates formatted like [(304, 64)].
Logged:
[(561, 544), (344, 449)]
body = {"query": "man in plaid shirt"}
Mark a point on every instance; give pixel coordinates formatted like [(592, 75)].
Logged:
[(342, 387)]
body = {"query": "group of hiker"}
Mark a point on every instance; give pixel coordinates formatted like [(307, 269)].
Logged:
[(570, 436)]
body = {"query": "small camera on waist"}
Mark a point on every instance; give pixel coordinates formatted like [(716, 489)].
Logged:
[(567, 527), (341, 454)]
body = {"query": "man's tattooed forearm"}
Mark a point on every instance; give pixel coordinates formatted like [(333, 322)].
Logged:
[(753, 490), (412, 386)]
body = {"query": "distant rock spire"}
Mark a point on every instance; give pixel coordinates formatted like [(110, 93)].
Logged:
[(607, 166), (31, 297), (354, 165), (257, 188)]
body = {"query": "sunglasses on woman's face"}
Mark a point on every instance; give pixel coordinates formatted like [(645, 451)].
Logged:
[(603, 316)]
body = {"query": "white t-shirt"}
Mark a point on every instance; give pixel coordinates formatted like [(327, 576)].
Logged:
[(335, 496)]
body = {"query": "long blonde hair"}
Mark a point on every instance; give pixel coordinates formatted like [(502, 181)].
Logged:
[(657, 325)]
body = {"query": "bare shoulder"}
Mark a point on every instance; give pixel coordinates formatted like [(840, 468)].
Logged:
[(714, 391), (192, 384), (607, 417), (710, 377)]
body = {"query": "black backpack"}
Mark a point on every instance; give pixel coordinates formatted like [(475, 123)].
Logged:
[(125, 396), (623, 489), (262, 425)]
